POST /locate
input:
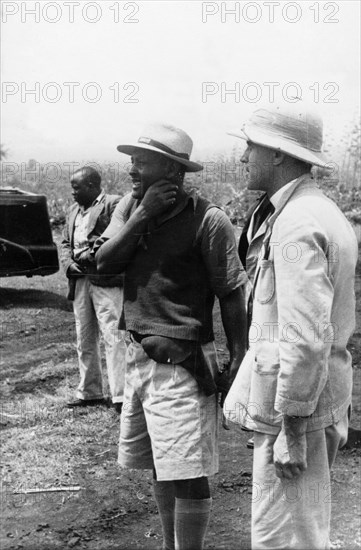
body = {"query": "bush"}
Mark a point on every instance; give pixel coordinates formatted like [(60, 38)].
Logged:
[(221, 182)]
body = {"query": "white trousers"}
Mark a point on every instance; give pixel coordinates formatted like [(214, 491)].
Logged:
[(97, 309), (295, 514)]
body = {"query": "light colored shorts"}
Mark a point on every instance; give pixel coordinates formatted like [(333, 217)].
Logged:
[(167, 423)]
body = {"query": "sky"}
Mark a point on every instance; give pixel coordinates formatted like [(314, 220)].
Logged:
[(79, 77)]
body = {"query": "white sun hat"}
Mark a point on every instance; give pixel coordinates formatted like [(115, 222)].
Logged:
[(294, 131), (167, 140)]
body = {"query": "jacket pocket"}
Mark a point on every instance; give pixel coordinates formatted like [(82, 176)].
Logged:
[(265, 283), (263, 392)]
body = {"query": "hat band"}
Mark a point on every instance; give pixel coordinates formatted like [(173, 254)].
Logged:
[(162, 147)]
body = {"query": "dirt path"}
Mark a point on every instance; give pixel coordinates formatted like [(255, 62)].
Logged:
[(47, 446)]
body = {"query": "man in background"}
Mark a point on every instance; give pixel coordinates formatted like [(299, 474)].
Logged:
[(97, 299), (295, 383)]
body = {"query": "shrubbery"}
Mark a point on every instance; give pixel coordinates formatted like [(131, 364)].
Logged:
[(221, 182)]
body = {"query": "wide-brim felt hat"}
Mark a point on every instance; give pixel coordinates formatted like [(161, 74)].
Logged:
[(166, 140), (296, 132)]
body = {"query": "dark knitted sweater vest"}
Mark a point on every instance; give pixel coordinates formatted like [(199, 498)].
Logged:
[(166, 287)]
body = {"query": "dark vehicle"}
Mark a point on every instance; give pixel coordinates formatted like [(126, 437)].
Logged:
[(26, 242)]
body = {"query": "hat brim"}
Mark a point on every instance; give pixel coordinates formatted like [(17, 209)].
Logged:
[(279, 144), (132, 148)]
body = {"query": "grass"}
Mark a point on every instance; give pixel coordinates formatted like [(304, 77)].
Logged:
[(46, 445)]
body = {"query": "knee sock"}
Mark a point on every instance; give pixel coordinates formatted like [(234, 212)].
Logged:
[(164, 494), (191, 522)]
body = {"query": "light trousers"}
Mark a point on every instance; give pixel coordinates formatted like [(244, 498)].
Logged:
[(295, 514), (168, 423), (97, 310)]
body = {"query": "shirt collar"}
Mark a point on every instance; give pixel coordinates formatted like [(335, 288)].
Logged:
[(99, 197), (96, 201), (276, 197)]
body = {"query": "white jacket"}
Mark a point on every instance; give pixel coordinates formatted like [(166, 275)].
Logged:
[(303, 316)]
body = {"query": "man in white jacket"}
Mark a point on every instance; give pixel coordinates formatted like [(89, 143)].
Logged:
[(294, 385)]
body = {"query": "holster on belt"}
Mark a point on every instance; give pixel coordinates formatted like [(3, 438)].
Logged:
[(187, 353)]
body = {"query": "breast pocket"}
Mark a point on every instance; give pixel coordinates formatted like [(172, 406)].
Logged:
[(265, 282)]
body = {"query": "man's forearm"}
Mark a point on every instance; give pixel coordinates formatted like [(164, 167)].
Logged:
[(114, 255), (66, 253), (234, 321), (290, 448)]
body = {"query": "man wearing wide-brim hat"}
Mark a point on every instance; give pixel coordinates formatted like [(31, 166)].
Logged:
[(294, 385), (177, 252)]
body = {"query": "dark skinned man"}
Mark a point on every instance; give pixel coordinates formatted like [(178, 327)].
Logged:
[(97, 299), (177, 252)]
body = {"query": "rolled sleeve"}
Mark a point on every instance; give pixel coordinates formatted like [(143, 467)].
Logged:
[(219, 250), (118, 220)]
